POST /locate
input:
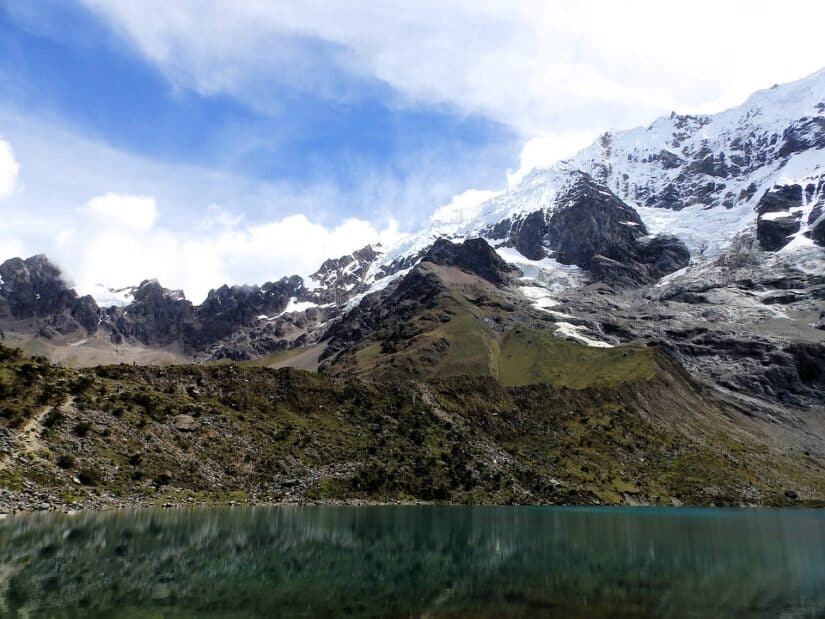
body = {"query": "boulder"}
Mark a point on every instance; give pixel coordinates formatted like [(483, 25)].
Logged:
[(184, 423)]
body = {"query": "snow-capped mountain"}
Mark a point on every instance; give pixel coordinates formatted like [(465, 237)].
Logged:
[(703, 234), (699, 178), (703, 179)]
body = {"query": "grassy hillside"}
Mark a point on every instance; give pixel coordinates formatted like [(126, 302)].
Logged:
[(464, 345), (441, 322), (123, 435)]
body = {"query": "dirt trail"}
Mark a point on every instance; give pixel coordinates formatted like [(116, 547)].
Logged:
[(28, 438)]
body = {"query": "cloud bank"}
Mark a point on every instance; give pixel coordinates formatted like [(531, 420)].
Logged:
[(557, 75), (119, 243), (544, 68), (118, 238)]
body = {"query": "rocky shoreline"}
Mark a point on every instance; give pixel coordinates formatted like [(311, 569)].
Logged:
[(40, 501), (23, 504)]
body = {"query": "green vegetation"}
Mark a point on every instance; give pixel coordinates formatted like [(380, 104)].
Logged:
[(27, 384), (522, 356), (530, 356), (640, 432)]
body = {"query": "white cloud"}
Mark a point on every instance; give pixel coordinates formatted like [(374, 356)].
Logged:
[(121, 244), (541, 152), (129, 213), (110, 217), (562, 72), (9, 168), (462, 208), (543, 68)]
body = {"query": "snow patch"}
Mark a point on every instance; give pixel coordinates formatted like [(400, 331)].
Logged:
[(572, 331), (540, 298), (293, 307), (774, 215), (108, 297), (377, 285), (547, 272)]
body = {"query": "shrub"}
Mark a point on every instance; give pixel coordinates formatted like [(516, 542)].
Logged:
[(82, 428), (65, 461), (53, 417), (80, 384), (88, 477), (27, 373), (163, 479), (10, 354)]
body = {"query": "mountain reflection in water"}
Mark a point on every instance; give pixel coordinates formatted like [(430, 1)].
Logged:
[(415, 561)]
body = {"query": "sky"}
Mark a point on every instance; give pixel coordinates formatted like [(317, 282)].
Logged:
[(205, 142)]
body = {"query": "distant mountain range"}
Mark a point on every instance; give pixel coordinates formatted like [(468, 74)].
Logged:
[(701, 234), (641, 323)]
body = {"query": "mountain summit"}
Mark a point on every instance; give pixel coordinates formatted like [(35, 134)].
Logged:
[(641, 323), (702, 234)]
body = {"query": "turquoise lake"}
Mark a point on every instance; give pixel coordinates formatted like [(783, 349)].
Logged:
[(415, 562)]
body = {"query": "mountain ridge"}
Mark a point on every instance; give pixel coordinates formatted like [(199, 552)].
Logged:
[(641, 323), (701, 233)]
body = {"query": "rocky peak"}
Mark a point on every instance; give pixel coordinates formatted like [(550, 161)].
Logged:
[(34, 287), (229, 308), (339, 279), (156, 316), (587, 225), (150, 290), (474, 256), (590, 220)]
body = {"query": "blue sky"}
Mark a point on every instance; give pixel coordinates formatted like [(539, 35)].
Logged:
[(212, 141), (62, 62)]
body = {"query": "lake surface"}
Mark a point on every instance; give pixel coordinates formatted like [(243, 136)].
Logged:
[(415, 562)]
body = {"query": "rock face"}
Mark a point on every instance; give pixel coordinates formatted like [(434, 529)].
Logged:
[(156, 317), (818, 231), (235, 322), (593, 222), (780, 216), (474, 256), (34, 289), (700, 234), (592, 228), (227, 309), (339, 279)]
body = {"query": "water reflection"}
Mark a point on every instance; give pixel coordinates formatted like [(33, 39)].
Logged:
[(415, 561)]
